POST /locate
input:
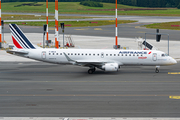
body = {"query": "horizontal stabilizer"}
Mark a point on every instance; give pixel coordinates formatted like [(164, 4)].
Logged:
[(17, 52)]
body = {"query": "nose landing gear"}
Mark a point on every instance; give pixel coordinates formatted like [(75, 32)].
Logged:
[(157, 69)]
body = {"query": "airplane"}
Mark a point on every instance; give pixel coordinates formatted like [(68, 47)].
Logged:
[(104, 59)]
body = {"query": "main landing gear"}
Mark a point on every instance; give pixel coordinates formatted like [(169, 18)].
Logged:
[(92, 70), (157, 69)]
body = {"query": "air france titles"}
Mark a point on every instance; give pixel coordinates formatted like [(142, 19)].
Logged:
[(132, 52)]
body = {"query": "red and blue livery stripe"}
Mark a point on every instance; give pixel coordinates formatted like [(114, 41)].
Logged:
[(19, 39)]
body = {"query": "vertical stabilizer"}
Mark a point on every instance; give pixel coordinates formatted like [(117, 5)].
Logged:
[(19, 38)]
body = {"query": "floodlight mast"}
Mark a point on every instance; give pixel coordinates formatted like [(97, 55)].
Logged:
[(47, 35), (158, 34), (56, 24), (116, 26), (0, 27)]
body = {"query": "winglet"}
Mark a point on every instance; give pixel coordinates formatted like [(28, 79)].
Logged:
[(69, 59)]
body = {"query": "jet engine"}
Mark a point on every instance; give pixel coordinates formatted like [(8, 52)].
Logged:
[(110, 67)]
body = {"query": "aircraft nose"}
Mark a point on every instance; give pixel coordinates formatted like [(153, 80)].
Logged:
[(173, 61)]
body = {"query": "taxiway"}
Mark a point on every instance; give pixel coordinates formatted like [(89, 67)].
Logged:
[(35, 89)]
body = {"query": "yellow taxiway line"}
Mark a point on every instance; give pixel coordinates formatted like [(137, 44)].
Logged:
[(174, 97), (174, 73), (97, 29)]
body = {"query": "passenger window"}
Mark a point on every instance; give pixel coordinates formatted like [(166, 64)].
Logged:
[(49, 53), (75, 54), (71, 53), (53, 53), (89, 54), (129, 54), (110, 54), (60, 53), (106, 54), (114, 54), (94, 54), (97, 54), (56, 53), (78, 54), (163, 55), (68, 54), (82, 53), (86, 54)]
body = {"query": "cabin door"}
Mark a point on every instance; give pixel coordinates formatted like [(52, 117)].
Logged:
[(43, 55), (154, 57)]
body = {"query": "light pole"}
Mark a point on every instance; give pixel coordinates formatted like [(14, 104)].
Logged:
[(62, 27), (158, 37), (44, 32)]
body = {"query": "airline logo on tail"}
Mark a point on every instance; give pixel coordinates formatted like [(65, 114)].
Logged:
[(19, 39)]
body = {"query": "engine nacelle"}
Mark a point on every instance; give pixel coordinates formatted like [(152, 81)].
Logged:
[(110, 67)]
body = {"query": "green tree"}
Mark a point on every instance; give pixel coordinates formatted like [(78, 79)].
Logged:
[(178, 6)]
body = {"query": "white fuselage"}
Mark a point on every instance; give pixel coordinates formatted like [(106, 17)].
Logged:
[(107, 60), (121, 57)]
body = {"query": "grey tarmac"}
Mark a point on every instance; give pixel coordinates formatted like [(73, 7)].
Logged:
[(36, 89), (124, 30), (131, 30)]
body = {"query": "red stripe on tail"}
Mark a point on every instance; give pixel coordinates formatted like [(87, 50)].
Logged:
[(16, 43)]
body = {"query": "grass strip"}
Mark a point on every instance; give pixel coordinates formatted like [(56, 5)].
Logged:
[(166, 25), (75, 23), (35, 17), (76, 8), (63, 7)]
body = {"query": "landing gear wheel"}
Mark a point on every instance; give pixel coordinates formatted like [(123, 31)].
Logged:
[(90, 71), (157, 70)]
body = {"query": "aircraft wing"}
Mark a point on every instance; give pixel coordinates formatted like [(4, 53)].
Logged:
[(89, 62)]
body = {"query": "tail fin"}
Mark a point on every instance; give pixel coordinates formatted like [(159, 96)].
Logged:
[(19, 39)]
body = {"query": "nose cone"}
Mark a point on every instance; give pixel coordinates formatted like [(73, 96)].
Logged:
[(173, 61)]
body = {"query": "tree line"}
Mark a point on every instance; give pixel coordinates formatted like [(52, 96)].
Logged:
[(139, 3), (91, 3)]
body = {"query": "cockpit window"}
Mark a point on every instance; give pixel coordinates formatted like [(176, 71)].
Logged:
[(163, 55)]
